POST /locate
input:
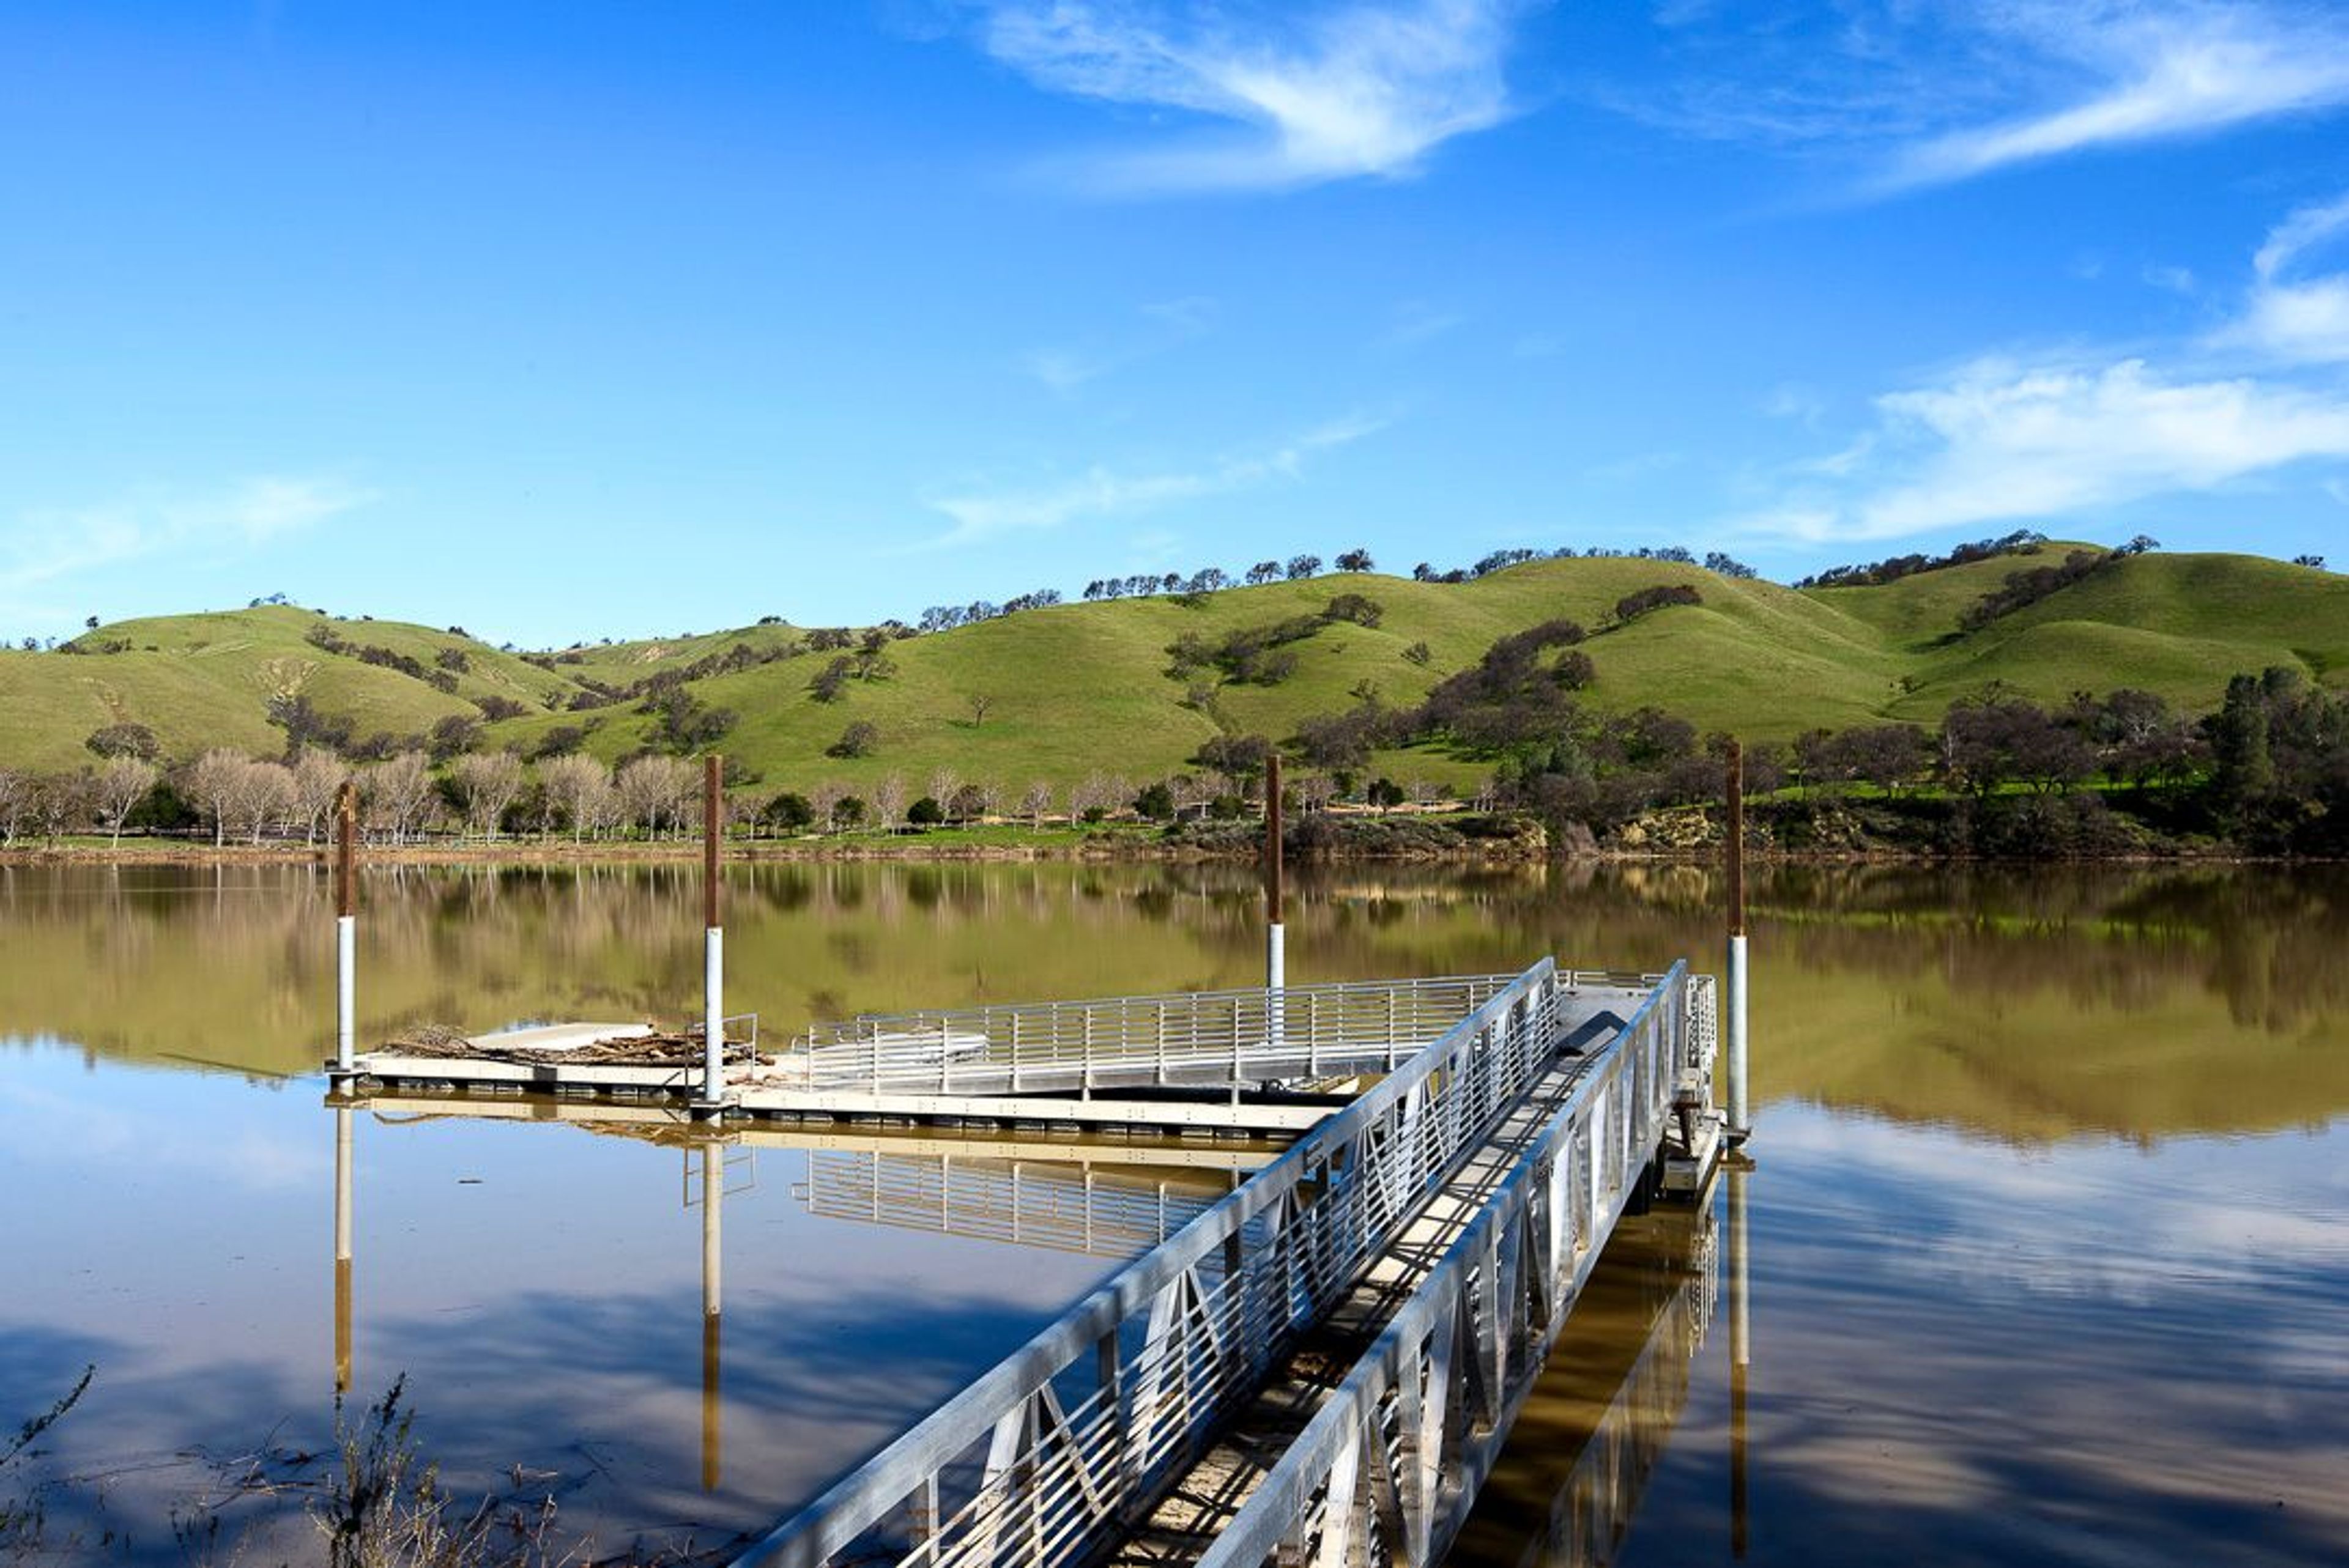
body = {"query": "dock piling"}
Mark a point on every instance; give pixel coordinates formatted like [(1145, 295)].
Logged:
[(713, 940), (347, 818), (1276, 957), (1741, 1121)]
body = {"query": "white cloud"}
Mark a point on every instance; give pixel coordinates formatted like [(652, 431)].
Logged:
[(978, 516), (2155, 72), (45, 544), (2300, 320), (2175, 279), (1365, 90), (2002, 442)]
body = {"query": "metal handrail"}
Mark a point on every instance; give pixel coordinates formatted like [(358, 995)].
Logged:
[(1252, 1035), (1068, 1438), (1391, 1459)]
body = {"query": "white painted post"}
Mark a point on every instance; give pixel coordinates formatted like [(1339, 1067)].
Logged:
[(347, 827), (713, 940), (346, 990), (1276, 954), (713, 1014), (1740, 1120)]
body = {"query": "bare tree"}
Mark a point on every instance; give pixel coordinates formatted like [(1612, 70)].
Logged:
[(580, 787), (654, 790), (1314, 792), (889, 803), (980, 704), (15, 804), (317, 775), (1035, 801), (826, 798), (943, 784), (399, 791), (212, 786), (122, 784), (61, 800), (263, 793), (487, 782)]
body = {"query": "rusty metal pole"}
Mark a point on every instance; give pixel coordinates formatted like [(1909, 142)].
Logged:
[(1740, 1120), (1276, 957), (347, 907), (713, 939)]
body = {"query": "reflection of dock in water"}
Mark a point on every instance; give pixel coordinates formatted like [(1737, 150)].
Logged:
[(1596, 1425), (1085, 1207)]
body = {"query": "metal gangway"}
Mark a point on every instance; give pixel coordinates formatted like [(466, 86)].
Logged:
[(1058, 1456)]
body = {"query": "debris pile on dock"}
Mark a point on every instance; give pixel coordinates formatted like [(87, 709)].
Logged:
[(645, 1050)]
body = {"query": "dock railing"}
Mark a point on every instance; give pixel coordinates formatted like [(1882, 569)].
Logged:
[(1187, 1038), (1062, 1446), (1387, 1468), (1063, 1443)]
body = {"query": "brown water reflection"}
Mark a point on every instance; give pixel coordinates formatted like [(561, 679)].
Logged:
[(2141, 1003), (2050, 1231)]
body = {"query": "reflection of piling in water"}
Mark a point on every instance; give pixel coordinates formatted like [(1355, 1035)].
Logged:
[(1740, 1355), (713, 1194), (1067, 1207), (342, 1251)]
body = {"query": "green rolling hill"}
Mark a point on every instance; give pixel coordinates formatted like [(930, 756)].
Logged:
[(1056, 694)]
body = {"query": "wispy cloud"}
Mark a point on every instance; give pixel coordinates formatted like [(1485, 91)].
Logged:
[(982, 515), (1286, 101), (2003, 442), (2154, 71), (1922, 94), (1166, 325), (45, 544)]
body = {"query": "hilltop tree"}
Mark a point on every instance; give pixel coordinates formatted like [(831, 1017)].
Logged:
[(1303, 566), (1355, 560)]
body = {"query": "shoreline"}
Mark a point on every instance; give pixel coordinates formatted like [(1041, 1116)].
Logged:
[(1094, 851)]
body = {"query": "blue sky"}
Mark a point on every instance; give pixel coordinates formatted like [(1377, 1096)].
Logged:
[(618, 320)]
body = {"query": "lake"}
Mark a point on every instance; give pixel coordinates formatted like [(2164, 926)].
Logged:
[(2045, 1247)]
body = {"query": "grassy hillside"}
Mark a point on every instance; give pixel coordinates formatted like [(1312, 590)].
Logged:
[(1058, 693)]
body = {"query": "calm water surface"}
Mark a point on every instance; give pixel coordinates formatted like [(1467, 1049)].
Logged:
[(2045, 1250)]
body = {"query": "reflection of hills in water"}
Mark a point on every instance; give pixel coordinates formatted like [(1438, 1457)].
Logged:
[(1569, 1482), (2027, 1005)]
